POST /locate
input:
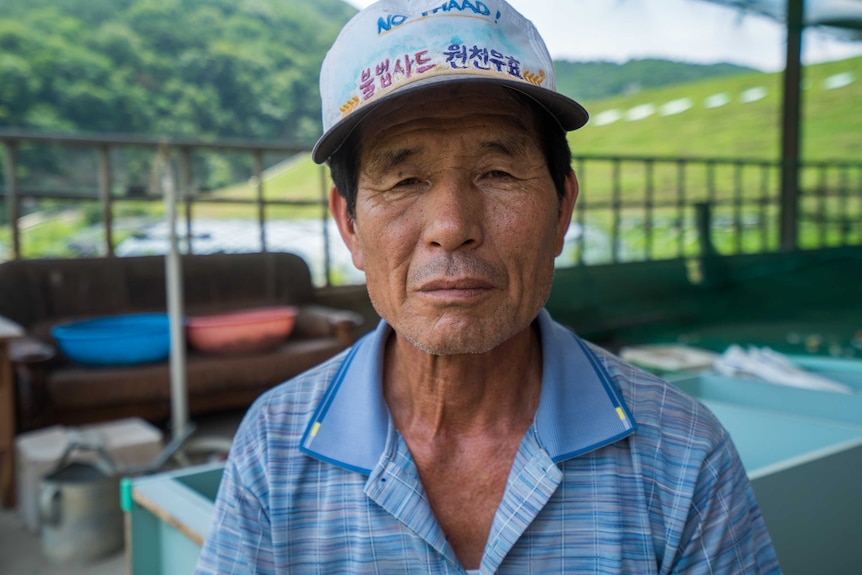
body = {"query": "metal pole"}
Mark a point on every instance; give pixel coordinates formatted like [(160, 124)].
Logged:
[(11, 160), (174, 279), (790, 130)]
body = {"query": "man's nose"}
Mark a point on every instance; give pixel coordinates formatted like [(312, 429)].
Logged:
[(454, 211)]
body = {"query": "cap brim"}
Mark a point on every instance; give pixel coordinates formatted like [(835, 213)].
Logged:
[(567, 112)]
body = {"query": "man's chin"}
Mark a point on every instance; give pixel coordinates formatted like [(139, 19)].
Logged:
[(457, 339), (449, 347)]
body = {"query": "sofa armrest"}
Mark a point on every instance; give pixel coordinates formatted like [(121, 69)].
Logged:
[(31, 351), (32, 359), (10, 330), (320, 321)]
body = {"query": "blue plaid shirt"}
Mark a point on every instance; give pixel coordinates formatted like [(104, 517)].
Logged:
[(319, 481)]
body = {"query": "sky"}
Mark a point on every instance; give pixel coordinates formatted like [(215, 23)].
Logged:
[(684, 30)]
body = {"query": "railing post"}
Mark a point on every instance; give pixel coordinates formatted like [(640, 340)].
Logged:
[(822, 216), (764, 206), (261, 209), (703, 211), (710, 181), (737, 206), (186, 193), (582, 210), (105, 197), (648, 208), (844, 205), (680, 205), (11, 161), (857, 222), (616, 206), (324, 200)]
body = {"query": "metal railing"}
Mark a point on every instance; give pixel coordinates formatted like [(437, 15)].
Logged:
[(649, 206), (630, 207), (108, 194)]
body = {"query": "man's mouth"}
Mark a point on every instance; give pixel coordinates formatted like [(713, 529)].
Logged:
[(458, 289)]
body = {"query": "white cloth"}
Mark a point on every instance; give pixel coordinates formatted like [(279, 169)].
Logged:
[(773, 367)]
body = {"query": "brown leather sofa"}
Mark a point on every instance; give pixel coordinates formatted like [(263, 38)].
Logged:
[(41, 293)]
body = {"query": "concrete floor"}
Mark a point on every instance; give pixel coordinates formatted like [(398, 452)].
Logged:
[(21, 554), (21, 551)]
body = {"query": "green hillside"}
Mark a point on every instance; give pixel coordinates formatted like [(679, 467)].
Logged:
[(831, 129), (599, 79)]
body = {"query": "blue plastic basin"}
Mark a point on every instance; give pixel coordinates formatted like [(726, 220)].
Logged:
[(116, 340)]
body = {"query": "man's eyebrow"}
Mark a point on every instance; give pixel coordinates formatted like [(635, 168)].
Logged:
[(513, 146), (383, 161)]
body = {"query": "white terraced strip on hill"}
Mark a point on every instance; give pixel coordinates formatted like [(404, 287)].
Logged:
[(680, 105)]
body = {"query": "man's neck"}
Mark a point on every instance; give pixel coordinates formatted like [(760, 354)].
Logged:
[(458, 394), (463, 418)]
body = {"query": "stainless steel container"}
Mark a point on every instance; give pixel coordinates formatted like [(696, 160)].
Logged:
[(80, 508)]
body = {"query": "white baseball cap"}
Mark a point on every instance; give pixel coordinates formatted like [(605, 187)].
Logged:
[(398, 46)]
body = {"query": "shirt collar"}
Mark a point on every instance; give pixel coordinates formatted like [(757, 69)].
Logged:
[(580, 409)]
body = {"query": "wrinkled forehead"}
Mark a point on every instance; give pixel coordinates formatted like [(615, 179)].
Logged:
[(453, 107)]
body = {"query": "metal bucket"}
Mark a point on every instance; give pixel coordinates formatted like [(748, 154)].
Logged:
[(80, 508)]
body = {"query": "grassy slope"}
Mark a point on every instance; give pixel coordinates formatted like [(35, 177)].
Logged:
[(832, 122), (832, 127), (302, 182)]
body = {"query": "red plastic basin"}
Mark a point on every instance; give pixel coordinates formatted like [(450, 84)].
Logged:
[(245, 331)]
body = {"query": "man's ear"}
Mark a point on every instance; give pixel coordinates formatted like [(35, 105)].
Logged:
[(346, 227), (567, 206)]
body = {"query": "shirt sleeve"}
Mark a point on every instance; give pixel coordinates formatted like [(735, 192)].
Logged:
[(240, 539), (724, 532)]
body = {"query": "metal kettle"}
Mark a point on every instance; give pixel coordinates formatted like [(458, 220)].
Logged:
[(80, 508)]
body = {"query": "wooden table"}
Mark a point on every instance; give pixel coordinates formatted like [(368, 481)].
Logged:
[(9, 330)]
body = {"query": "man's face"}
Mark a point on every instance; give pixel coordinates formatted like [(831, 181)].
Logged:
[(457, 219)]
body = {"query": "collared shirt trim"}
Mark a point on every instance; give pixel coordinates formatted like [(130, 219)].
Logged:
[(605, 378), (362, 458), (593, 447), (614, 395), (323, 408)]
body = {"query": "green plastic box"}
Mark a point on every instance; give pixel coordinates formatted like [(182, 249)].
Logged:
[(168, 517)]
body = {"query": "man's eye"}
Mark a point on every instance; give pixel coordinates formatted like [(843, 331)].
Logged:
[(498, 174), (407, 182)]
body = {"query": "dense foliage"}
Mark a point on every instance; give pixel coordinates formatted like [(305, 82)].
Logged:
[(208, 68)]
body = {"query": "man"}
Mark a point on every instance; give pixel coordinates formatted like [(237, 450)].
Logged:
[(469, 431)]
